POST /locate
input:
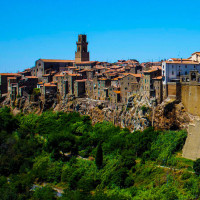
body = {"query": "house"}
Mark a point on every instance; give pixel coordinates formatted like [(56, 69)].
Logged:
[(46, 66)]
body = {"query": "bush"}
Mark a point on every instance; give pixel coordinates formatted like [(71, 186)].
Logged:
[(196, 166)]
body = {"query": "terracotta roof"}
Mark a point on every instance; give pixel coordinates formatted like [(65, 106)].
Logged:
[(149, 71), (40, 83), (30, 77), (74, 74), (10, 74), (82, 80), (12, 77), (103, 79), (158, 77), (196, 53), (86, 62), (56, 60), (46, 75), (180, 61), (156, 67), (115, 79), (50, 85), (117, 92), (136, 75), (59, 75)]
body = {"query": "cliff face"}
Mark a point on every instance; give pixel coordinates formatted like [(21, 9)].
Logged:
[(137, 114), (171, 115)]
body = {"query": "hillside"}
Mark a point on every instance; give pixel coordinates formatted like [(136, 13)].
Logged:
[(56, 153)]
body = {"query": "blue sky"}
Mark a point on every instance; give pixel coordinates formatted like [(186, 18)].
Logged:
[(145, 30)]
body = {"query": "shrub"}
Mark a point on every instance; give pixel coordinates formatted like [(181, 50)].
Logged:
[(196, 166)]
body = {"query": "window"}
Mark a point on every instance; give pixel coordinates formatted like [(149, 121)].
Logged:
[(172, 66), (185, 66), (185, 72), (172, 72)]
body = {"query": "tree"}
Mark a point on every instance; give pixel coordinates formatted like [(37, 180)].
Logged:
[(99, 156), (44, 193), (196, 166)]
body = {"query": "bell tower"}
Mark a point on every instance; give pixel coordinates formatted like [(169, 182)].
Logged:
[(82, 53)]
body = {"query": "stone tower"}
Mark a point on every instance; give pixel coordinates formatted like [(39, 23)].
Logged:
[(82, 53)]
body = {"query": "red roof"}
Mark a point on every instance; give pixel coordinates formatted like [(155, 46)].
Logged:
[(86, 62), (10, 74), (56, 60), (50, 85), (30, 77)]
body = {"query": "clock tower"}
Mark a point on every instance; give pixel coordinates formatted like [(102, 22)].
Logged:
[(82, 53)]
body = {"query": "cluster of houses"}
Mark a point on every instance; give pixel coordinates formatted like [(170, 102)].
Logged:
[(114, 82)]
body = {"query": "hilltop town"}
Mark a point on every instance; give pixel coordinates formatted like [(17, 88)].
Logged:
[(120, 133), (117, 86)]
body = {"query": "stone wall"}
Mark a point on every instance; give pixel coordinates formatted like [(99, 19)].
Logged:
[(191, 149), (190, 95)]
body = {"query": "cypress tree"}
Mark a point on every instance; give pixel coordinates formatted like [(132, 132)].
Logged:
[(99, 156)]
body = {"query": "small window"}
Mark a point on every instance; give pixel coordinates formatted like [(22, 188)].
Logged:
[(172, 72), (172, 66), (185, 72), (185, 66)]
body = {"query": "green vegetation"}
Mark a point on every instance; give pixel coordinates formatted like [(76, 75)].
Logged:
[(64, 151), (36, 91)]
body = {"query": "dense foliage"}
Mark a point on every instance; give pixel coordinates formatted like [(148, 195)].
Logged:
[(39, 153)]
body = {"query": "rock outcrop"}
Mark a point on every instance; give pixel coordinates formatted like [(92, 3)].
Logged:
[(137, 114)]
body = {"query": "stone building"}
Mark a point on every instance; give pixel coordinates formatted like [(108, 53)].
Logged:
[(172, 69), (71, 79), (114, 94), (79, 88), (46, 66), (129, 86), (148, 82), (4, 81), (89, 87)]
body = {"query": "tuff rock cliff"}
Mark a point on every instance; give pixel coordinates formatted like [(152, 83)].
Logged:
[(137, 114)]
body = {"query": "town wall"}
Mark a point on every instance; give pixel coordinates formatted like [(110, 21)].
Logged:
[(190, 95)]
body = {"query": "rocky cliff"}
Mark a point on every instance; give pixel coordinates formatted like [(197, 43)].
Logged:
[(137, 114)]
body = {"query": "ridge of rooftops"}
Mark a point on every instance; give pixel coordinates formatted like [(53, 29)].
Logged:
[(181, 61), (50, 85), (10, 74), (56, 60), (86, 62)]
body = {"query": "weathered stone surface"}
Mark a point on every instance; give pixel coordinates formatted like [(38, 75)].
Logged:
[(170, 114), (191, 149)]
